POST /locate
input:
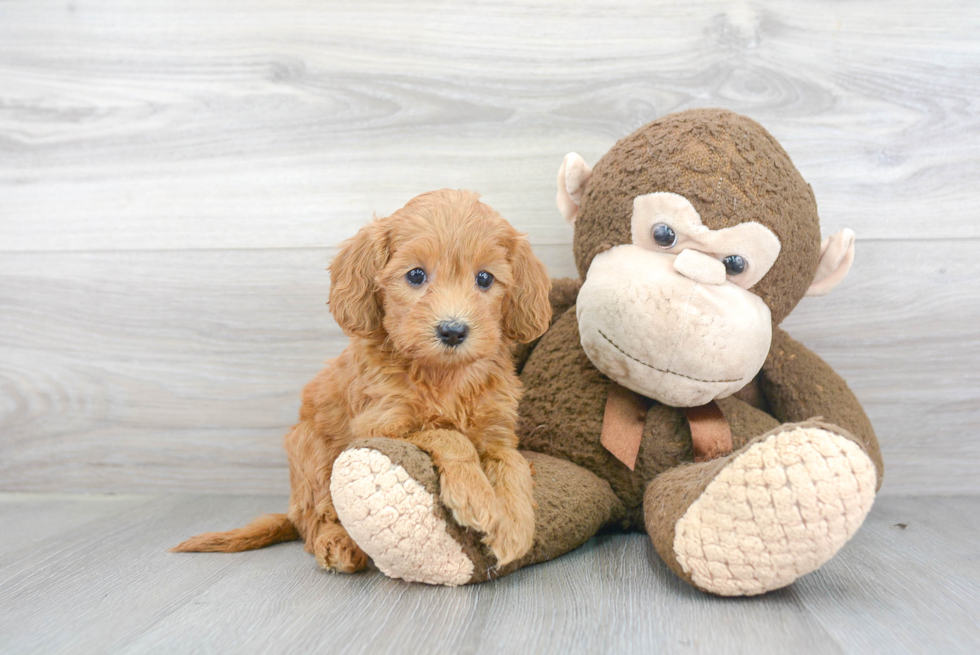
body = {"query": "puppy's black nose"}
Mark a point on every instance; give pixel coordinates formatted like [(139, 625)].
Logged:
[(452, 333)]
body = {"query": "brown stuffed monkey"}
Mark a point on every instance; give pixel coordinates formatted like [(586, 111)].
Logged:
[(664, 398)]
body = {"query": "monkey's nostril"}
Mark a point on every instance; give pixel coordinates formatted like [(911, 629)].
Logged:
[(452, 333)]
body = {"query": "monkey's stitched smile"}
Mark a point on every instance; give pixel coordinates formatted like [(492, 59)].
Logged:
[(661, 370)]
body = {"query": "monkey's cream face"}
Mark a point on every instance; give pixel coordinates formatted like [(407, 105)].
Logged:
[(670, 315)]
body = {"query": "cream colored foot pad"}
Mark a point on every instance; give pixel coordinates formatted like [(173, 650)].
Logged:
[(776, 512), (392, 518)]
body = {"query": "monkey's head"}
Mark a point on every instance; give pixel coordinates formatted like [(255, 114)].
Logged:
[(694, 236)]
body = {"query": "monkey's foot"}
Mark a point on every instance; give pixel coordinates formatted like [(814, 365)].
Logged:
[(387, 497), (386, 493), (778, 509)]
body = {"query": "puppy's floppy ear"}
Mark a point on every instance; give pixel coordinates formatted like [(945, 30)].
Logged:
[(526, 309), (355, 300)]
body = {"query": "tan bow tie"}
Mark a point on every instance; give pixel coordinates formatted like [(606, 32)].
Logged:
[(626, 414)]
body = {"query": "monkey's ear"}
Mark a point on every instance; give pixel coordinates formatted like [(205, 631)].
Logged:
[(836, 257), (573, 175), (354, 298)]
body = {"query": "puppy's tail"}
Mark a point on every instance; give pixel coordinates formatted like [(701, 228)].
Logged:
[(264, 531)]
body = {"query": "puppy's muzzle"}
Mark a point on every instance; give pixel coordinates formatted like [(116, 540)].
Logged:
[(452, 333)]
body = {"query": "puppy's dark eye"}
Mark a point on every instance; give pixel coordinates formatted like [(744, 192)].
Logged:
[(664, 235), (735, 264), (484, 280), (415, 277)]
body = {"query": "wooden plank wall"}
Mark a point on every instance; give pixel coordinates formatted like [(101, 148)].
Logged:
[(175, 177)]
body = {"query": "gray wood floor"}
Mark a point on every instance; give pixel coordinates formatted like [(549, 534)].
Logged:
[(176, 175), (85, 574)]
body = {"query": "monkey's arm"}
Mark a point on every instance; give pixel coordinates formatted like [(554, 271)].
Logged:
[(798, 386), (563, 293)]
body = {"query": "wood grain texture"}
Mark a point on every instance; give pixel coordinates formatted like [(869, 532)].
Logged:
[(170, 126), (34, 519), (108, 585), (178, 370), (175, 176)]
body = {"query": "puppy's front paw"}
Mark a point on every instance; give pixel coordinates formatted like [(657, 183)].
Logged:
[(513, 535), (470, 498), (336, 551)]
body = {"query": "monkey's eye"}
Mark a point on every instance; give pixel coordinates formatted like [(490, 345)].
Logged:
[(484, 280), (415, 277), (664, 235), (735, 264)]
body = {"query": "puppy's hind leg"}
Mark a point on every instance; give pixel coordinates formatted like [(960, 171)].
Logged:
[(335, 550), (311, 507)]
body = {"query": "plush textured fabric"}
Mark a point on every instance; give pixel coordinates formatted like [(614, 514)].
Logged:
[(836, 258), (731, 169), (780, 510), (798, 386), (759, 519), (380, 504), (753, 241), (700, 267), (622, 423), (386, 492), (562, 409), (711, 435), (572, 177), (625, 338), (573, 505)]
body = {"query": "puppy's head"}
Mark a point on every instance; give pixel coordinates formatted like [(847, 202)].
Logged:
[(445, 277)]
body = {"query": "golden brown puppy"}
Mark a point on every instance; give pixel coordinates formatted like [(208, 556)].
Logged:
[(434, 298)]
